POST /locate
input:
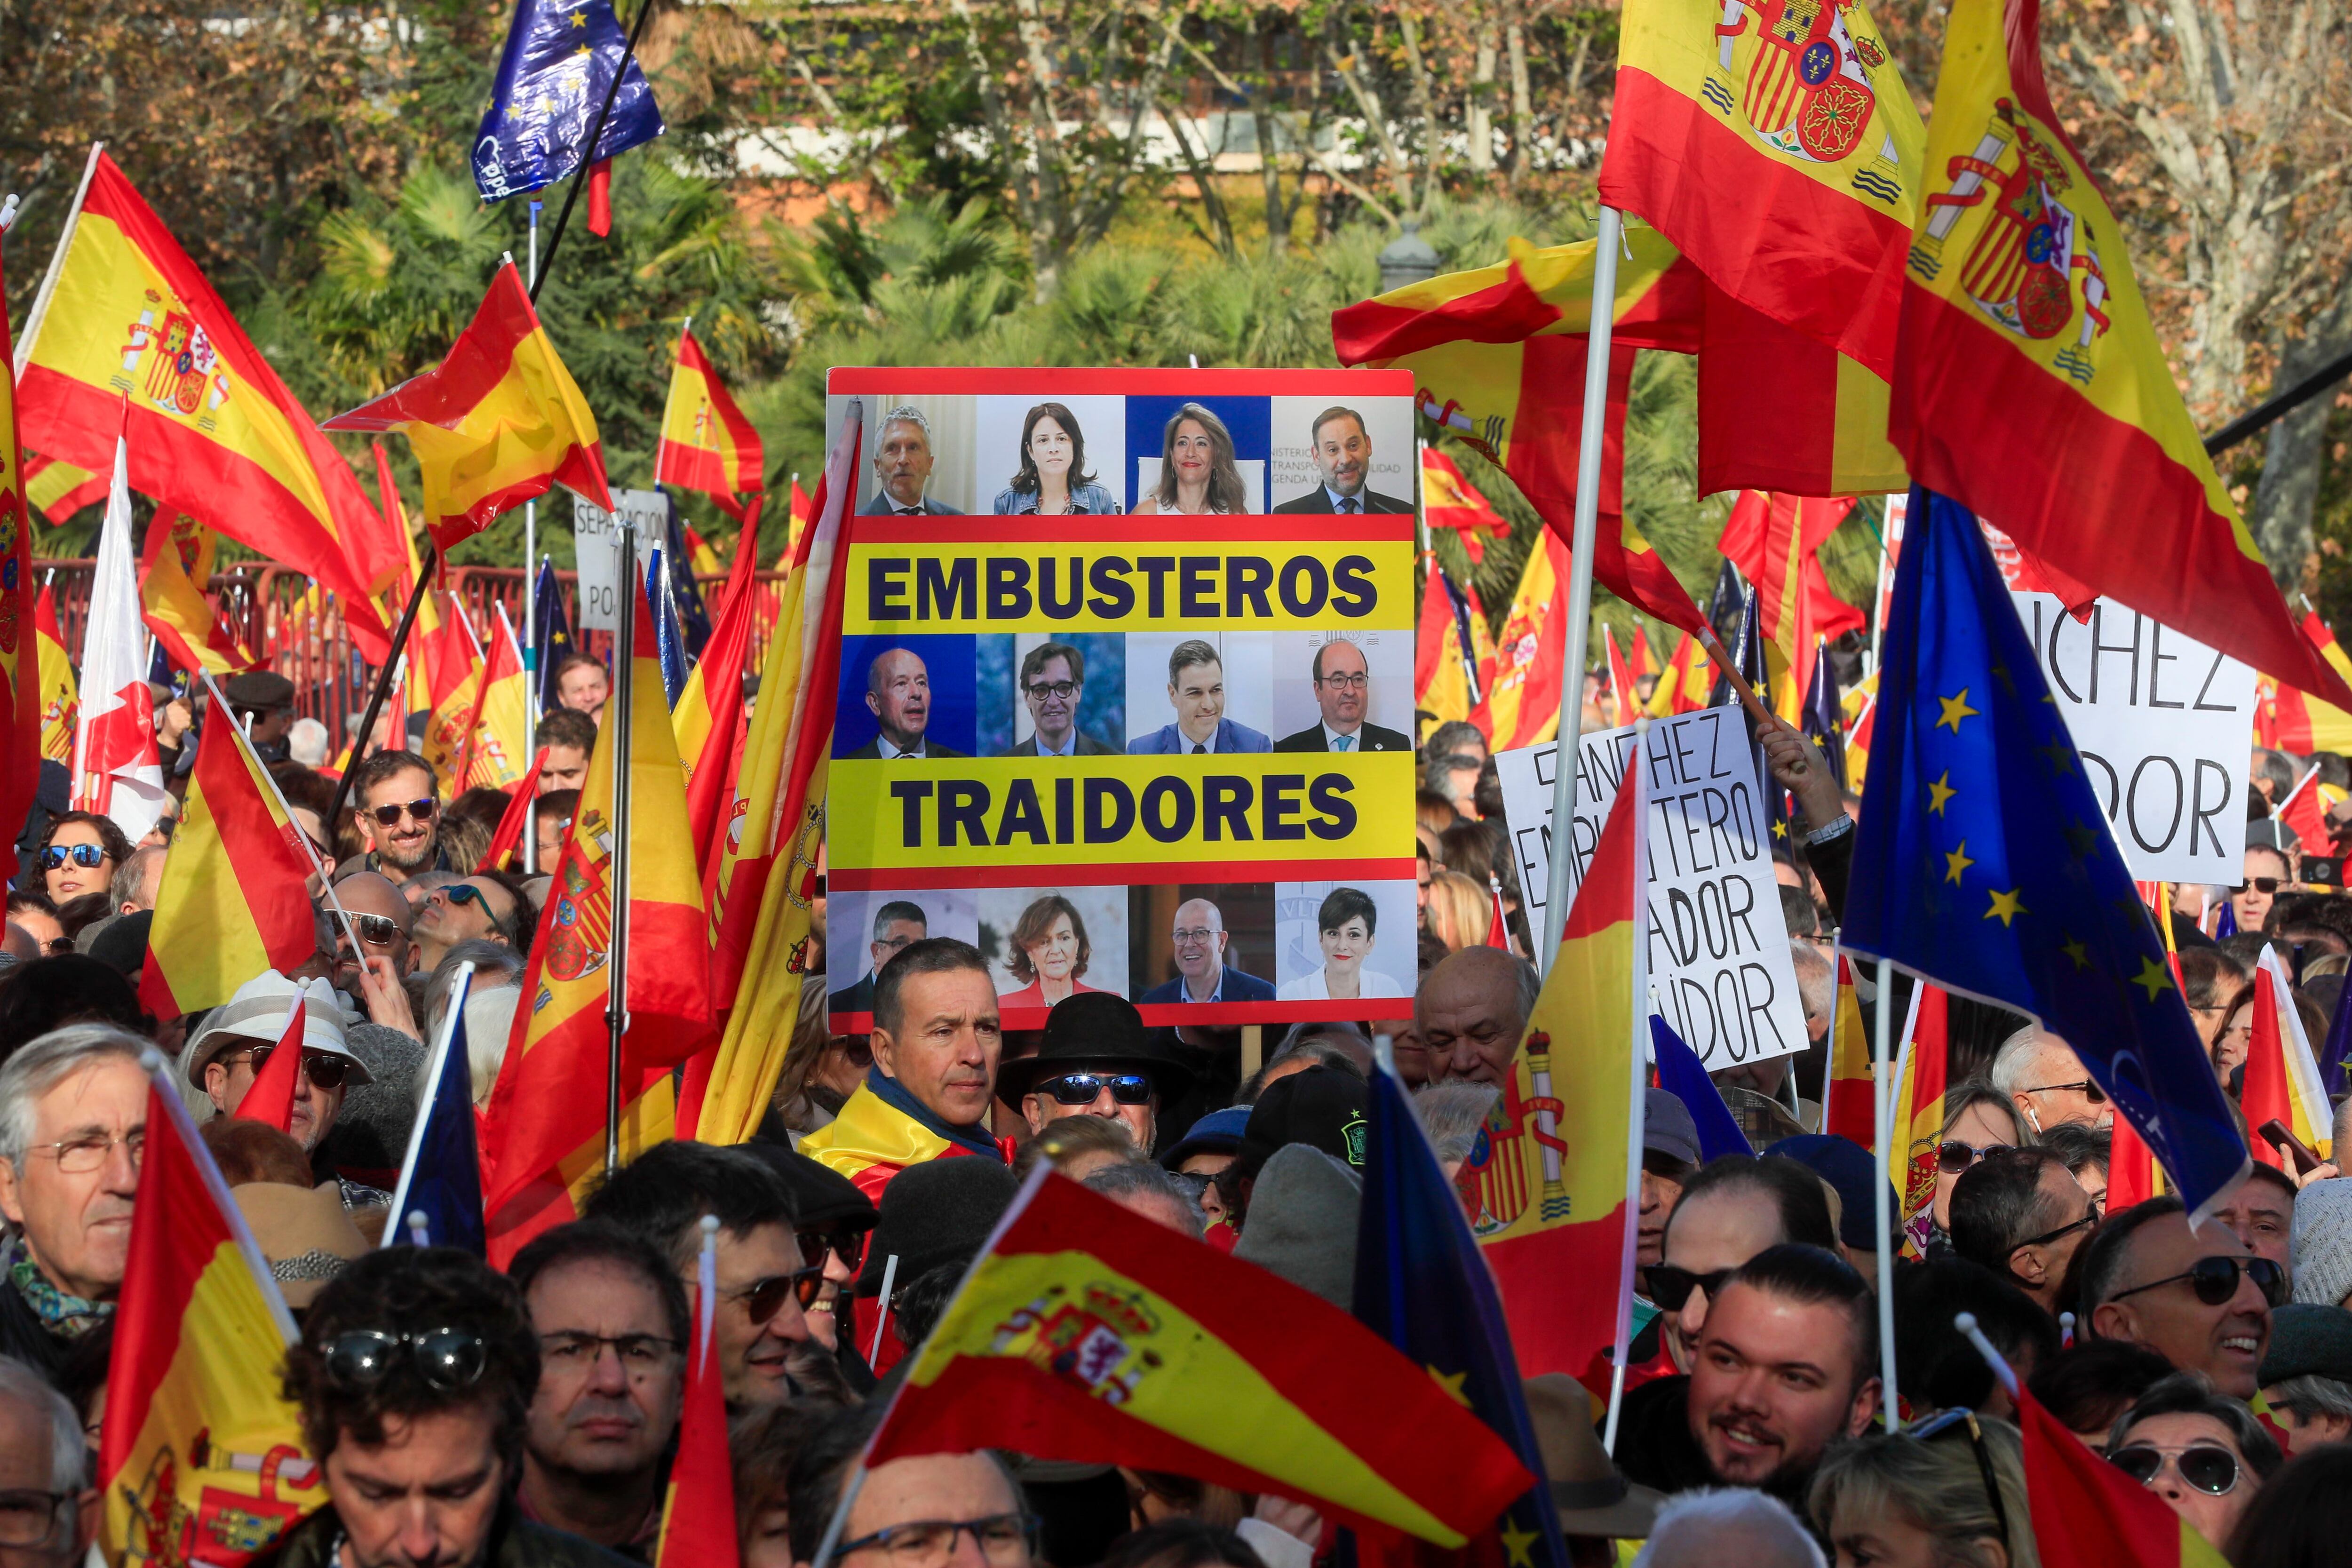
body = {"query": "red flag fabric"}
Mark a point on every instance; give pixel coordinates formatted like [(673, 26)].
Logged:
[(2089, 1514), (517, 819), (20, 658), (697, 1528), (710, 774), (270, 1098)]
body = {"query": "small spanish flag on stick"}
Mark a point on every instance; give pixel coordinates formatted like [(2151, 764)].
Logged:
[(698, 1528), (706, 444)]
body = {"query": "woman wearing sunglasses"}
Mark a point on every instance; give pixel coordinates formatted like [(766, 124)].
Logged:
[(2204, 1454), (79, 855), (1946, 1492), (1977, 1118)]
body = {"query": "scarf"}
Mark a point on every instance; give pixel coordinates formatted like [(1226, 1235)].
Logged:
[(66, 1317)]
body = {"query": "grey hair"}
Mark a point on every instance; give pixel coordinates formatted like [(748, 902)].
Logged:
[(69, 1449), (1452, 1113), (1816, 978), (2012, 1057), (1141, 1180), (42, 1064), (494, 964), (1695, 1528), (905, 414), (129, 875), (2311, 1394)]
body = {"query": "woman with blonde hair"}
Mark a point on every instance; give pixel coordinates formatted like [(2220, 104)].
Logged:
[(1198, 476), (1459, 911), (1948, 1490)]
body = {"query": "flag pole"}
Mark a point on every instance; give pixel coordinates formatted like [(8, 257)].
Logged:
[(40, 310), (1637, 1081), (1881, 1087), (431, 564), (617, 995), (1607, 238), (588, 159), (530, 602)]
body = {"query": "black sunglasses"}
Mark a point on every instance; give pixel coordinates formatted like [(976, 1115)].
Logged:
[(2091, 1091), (446, 1359), (1953, 1157), (2215, 1279), (389, 816), (2089, 1222), (88, 856), (2262, 883), (377, 931), (845, 1242), (2213, 1471), (323, 1068), (764, 1299), (1081, 1088), (1671, 1286)]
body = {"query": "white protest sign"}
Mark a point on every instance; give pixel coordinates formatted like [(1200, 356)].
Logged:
[(1718, 947), (2164, 724), (596, 550)]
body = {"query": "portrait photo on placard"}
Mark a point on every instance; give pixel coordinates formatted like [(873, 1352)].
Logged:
[(918, 454), (1202, 942), (1330, 457), (1342, 691), (1047, 695), (1193, 692), (1340, 941), (864, 931), (1203, 456), (906, 697), (1046, 943), (1054, 456)]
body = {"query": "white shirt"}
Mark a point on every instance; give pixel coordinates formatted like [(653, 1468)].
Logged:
[(1184, 988), (1339, 502), (1312, 988), (882, 743), (1069, 748), (1355, 741)]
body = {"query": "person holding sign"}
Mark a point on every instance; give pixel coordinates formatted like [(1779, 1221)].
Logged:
[(1053, 481), (1050, 950), (902, 466), (1201, 973), (1343, 459), (1053, 680), (898, 693), (1196, 689), (1343, 690), (1198, 475), (1347, 925)]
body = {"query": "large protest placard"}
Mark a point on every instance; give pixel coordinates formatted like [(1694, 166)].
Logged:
[(2164, 724), (596, 550), (1718, 946), (1126, 689)]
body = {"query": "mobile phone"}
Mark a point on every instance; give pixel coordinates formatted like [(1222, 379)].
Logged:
[(2322, 870), (2283, 1139)]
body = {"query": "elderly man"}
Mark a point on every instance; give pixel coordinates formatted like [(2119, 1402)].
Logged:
[(897, 924), (238, 1038), (1098, 1059), (418, 1459), (73, 1121), (902, 466), (484, 907), (2021, 1213), (898, 695), (2197, 1298), (136, 881), (400, 815), (1052, 683), (611, 1317), (764, 1282), (569, 738), (1196, 691), (1343, 461), (1454, 775), (1471, 1010), (382, 917), (45, 1466), (1199, 940), (1343, 690), (2047, 1081), (937, 1041)]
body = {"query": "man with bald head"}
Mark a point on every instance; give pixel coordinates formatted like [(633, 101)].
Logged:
[(1201, 973), (1471, 1010), (2048, 1082), (382, 917), (898, 694), (20, 944)]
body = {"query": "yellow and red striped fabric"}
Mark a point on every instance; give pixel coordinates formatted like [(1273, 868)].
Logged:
[(2088, 1514), (497, 729), (1915, 1108), (1860, 704), (1545, 1187), (20, 650), (415, 695), (177, 566), (1688, 681), (201, 1459), (496, 424), (706, 444), (1521, 707), (1444, 672), (1850, 1108), (60, 698), (232, 901), (1775, 540), (1450, 500), (2302, 723), (709, 719), (1623, 697), (1084, 1332), (453, 670), (697, 1522), (2282, 1080), (57, 491), (211, 428)]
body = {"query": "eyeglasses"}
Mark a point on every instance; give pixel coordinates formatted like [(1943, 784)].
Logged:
[(1671, 1286), (1004, 1537), (764, 1299), (845, 1242), (323, 1068), (81, 1156), (2262, 883), (1081, 1088), (377, 931), (1062, 689), (462, 893), (389, 816), (1352, 679), (2089, 1222), (2215, 1279), (1952, 1157), (1194, 933), (641, 1355), (1963, 1419), (30, 1518), (2213, 1471), (2091, 1091), (446, 1359), (89, 856)]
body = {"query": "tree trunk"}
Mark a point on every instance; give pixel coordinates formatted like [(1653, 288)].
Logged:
[(1478, 103), (2295, 450), (1522, 113), (1269, 162)]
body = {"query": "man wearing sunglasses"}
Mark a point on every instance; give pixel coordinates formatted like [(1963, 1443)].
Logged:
[(2048, 1082), (2197, 1298), (2021, 1213), (238, 1038), (487, 906), (2265, 873), (400, 815), (382, 917), (1098, 1059)]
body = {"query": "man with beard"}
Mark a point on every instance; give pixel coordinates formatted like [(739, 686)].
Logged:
[(400, 815)]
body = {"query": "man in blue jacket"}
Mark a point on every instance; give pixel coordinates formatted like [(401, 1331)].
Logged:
[(1196, 689)]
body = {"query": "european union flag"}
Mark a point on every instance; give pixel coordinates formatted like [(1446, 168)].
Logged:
[(442, 1176), (669, 644), (685, 592), (558, 60), (553, 627), (1422, 1284), (1684, 1075), (1983, 861)]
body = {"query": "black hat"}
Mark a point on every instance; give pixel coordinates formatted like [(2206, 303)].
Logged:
[(935, 1213), (258, 689), (821, 1195), (1096, 1029), (1322, 1106), (122, 945)]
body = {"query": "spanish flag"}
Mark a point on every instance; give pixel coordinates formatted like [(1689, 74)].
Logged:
[(60, 702), (1450, 500), (1689, 677), (708, 718), (496, 424), (2088, 1514), (1850, 1108), (2304, 724), (1083, 1331), (544, 1137), (210, 428), (232, 901), (453, 673), (706, 444), (176, 566), (497, 727), (57, 491), (1521, 707), (1623, 698), (2283, 1081), (698, 1526), (2033, 390), (1915, 1111), (1447, 677), (21, 719), (416, 695), (1861, 706), (1775, 540), (201, 1459), (1545, 1187)]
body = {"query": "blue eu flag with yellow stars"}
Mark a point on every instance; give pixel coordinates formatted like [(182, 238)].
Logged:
[(1983, 861), (559, 61)]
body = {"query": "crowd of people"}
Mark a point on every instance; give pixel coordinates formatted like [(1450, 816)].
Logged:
[(463, 1415)]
